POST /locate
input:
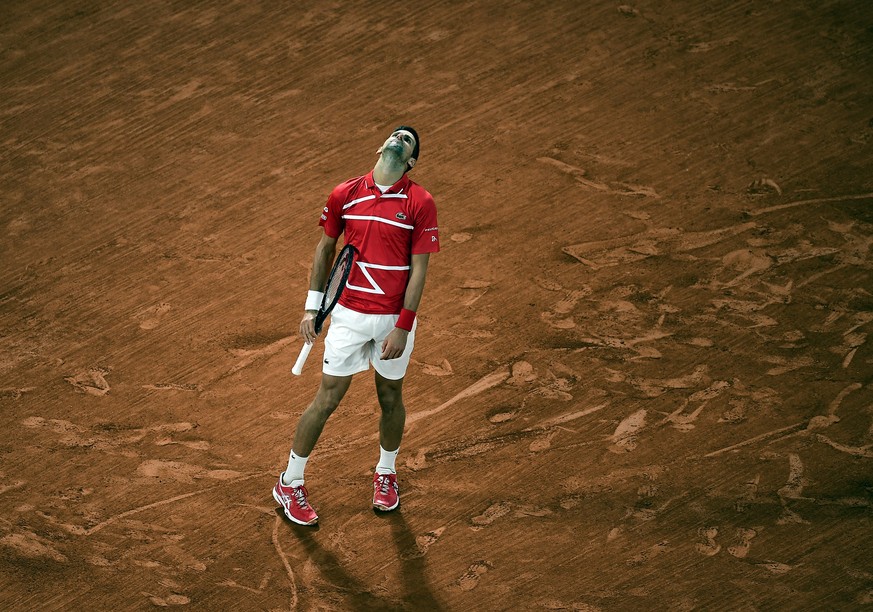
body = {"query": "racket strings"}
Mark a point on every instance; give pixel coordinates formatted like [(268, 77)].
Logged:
[(336, 282)]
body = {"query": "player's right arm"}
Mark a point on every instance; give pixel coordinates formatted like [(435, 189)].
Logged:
[(321, 262)]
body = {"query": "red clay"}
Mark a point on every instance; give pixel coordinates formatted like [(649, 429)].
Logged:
[(642, 375)]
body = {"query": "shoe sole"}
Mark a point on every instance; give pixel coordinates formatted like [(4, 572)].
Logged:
[(291, 518), (386, 508)]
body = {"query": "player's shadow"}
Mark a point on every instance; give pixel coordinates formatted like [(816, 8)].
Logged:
[(416, 591), (355, 594)]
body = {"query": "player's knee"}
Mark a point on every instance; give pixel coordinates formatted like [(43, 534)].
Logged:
[(325, 406), (326, 401), (390, 398), (319, 409), (331, 391)]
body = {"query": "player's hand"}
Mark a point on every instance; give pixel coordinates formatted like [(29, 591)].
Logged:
[(394, 345), (307, 327)]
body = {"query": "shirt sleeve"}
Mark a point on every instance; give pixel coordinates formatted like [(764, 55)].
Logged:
[(425, 234), (332, 214)]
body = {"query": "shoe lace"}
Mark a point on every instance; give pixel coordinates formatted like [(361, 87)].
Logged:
[(384, 483), (300, 497)]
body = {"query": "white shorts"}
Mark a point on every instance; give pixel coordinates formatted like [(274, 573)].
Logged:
[(354, 341)]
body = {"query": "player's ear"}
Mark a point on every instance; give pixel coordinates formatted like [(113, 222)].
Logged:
[(379, 151), (411, 162)]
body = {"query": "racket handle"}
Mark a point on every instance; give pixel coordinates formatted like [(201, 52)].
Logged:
[(301, 359)]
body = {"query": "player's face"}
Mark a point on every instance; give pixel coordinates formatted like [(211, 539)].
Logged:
[(402, 143)]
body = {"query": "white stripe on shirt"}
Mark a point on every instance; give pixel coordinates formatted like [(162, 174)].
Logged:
[(380, 219), (353, 202)]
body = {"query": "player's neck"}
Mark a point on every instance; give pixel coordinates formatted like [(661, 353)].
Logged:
[(388, 171)]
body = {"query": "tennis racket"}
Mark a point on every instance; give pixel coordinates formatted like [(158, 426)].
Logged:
[(336, 282)]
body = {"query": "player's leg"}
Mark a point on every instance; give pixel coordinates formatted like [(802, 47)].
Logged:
[(389, 385), (386, 492), (393, 418), (345, 353), (311, 423), (290, 491), (389, 389)]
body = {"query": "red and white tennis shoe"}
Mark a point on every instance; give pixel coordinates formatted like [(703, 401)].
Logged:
[(386, 493), (295, 503)]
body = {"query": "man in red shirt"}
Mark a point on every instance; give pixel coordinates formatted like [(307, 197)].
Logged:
[(392, 221)]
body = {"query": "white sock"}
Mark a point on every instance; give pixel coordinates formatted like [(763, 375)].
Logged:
[(386, 461), (293, 475)]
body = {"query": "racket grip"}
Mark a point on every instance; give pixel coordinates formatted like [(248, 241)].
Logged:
[(301, 359)]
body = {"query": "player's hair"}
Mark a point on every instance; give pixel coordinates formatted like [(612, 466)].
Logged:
[(412, 131)]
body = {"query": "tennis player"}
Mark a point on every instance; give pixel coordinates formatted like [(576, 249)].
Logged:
[(392, 221)]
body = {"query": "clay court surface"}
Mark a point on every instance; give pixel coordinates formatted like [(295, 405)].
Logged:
[(642, 379)]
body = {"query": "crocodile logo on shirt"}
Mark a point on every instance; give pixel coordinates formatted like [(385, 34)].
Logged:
[(400, 216)]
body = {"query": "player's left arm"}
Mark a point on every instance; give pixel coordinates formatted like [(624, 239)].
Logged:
[(394, 345)]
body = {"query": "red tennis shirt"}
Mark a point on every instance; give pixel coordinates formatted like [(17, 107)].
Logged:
[(387, 229)]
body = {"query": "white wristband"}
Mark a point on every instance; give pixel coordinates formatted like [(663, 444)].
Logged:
[(313, 300)]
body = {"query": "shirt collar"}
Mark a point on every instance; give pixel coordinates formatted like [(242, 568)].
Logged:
[(399, 186)]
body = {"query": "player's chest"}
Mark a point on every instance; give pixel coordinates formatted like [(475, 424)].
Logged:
[(388, 213)]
